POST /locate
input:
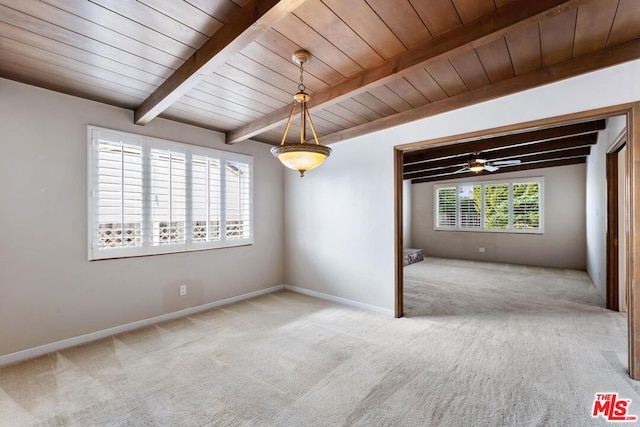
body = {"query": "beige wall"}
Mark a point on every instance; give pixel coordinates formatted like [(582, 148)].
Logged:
[(563, 243), (48, 289)]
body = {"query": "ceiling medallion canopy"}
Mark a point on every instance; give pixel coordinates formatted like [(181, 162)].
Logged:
[(301, 156)]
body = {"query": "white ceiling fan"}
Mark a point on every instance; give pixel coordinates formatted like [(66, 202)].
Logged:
[(476, 165)]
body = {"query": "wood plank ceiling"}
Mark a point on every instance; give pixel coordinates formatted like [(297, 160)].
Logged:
[(226, 65)]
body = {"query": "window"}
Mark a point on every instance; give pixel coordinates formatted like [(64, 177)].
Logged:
[(446, 216), (151, 196), (507, 206), (496, 206), (526, 206), (469, 202)]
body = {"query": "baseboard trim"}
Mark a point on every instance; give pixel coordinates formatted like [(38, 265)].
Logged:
[(340, 300), (30, 353)]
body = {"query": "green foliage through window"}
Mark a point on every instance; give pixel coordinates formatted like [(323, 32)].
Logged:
[(526, 206), (490, 206), (446, 207), (496, 207)]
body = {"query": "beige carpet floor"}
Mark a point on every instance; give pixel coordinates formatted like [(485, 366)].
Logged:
[(484, 345)]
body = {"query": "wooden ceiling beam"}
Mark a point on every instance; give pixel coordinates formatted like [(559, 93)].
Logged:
[(629, 51), (521, 167), (555, 155), (251, 21), (522, 149), (442, 173), (544, 146), (550, 155), (540, 135), (513, 16)]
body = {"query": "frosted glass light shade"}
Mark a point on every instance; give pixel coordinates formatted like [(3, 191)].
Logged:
[(301, 157), (476, 165)]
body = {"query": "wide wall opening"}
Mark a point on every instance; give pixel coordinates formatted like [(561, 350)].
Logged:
[(520, 226)]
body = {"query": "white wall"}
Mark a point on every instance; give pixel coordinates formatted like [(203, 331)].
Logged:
[(596, 202), (48, 289), (407, 212), (562, 245), (339, 227)]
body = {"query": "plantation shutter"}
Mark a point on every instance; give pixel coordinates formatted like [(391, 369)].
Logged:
[(152, 196), (168, 196), (526, 206), (238, 200), (446, 207), (499, 206), (470, 208), (496, 206), (117, 192), (207, 193)]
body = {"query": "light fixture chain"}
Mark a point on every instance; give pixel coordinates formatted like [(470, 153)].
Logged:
[(301, 86)]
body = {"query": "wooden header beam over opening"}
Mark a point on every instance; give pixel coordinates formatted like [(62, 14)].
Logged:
[(248, 23), (551, 155), (490, 27), (521, 167), (518, 150)]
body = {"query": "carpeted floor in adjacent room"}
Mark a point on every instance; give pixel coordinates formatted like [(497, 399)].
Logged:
[(483, 345)]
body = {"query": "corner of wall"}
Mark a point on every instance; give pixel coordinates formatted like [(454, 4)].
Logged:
[(596, 204)]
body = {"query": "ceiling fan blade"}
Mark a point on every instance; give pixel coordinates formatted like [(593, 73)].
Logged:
[(506, 162), (491, 168), (464, 169)]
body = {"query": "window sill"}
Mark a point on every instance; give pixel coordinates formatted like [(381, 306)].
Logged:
[(535, 232), (103, 256)]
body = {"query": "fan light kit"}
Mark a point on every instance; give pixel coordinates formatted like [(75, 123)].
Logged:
[(477, 165), (303, 156)]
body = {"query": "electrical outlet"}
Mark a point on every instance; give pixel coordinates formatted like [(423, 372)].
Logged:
[(183, 290), (481, 250)]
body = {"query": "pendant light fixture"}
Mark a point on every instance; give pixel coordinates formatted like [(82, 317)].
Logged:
[(301, 156)]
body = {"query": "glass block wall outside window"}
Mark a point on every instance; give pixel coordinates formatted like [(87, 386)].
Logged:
[(150, 196), (499, 206)]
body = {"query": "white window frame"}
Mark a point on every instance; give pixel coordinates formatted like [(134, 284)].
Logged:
[(147, 143), (482, 184)]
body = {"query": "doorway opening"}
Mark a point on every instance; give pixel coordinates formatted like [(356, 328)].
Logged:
[(617, 208)]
